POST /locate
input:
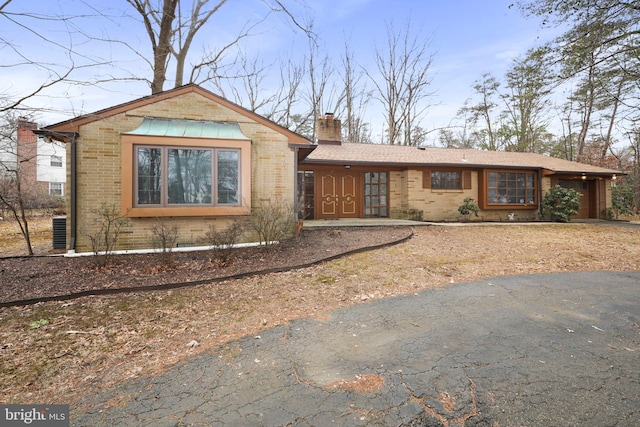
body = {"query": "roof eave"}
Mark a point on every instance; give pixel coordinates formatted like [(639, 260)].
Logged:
[(73, 125), (56, 135)]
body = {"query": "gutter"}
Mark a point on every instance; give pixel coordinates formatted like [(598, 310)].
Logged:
[(67, 137)]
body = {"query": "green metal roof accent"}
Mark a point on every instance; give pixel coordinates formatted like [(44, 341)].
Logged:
[(188, 129)]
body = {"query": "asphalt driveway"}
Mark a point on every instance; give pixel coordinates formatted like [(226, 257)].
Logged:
[(537, 350)]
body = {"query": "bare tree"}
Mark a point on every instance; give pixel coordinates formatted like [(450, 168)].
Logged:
[(465, 135), (247, 84), (14, 190), (26, 25), (159, 26), (404, 68), (287, 96), (264, 89), (172, 26), (356, 97), (319, 91)]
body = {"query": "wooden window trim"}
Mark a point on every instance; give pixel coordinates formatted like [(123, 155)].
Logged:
[(465, 179), (127, 175), (483, 194)]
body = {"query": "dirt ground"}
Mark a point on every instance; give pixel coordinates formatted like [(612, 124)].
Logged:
[(76, 347)]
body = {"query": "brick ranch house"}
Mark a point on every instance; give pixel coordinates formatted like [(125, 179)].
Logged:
[(347, 180), (186, 156), (194, 159)]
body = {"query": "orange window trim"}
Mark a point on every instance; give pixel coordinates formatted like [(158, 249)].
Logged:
[(127, 174)]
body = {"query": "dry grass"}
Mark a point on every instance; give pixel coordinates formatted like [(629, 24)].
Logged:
[(40, 233), (70, 349)]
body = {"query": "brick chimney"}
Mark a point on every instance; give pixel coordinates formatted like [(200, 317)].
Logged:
[(329, 130), (27, 151)]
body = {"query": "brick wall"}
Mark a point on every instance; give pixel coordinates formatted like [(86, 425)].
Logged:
[(99, 175), (27, 154), (328, 129), (407, 193)]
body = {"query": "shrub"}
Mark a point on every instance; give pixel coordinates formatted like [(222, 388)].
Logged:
[(104, 238), (164, 237), (223, 241), (468, 207), (622, 195), (561, 203), (272, 222)]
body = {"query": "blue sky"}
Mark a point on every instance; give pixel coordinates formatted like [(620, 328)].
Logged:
[(467, 37)]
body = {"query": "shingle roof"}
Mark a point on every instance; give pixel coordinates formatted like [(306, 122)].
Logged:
[(397, 155)]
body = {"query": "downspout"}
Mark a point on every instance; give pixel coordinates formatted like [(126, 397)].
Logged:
[(540, 196), (64, 136), (73, 198), (295, 184)]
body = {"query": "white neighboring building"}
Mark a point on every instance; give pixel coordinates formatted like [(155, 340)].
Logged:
[(51, 166), (43, 164)]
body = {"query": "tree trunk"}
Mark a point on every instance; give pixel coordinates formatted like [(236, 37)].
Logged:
[(616, 102), (163, 47)]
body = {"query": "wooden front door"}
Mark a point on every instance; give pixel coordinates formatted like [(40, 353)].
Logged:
[(339, 194)]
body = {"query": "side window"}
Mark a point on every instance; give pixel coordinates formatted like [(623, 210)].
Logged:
[(56, 161), (56, 189), (446, 180), (228, 164)]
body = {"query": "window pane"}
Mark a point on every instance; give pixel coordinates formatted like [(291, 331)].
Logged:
[(56, 161), (441, 180), (55, 189), (510, 188), (189, 176), (228, 178), (493, 179), (375, 198), (149, 176)]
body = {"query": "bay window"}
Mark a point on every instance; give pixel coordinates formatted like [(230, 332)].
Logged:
[(511, 188), (182, 176)]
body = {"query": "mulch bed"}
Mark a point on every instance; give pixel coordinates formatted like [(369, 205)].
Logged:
[(28, 280)]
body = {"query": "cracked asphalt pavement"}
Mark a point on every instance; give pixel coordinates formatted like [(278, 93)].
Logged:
[(534, 350)]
